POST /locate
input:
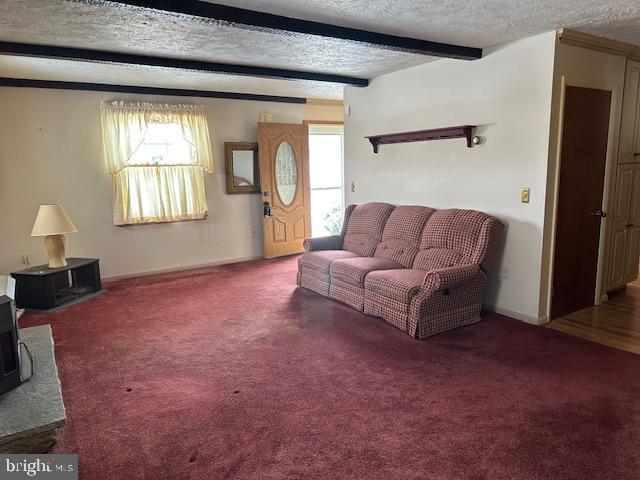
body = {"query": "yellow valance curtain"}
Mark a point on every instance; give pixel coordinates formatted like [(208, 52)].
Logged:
[(124, 126), (148, 192)]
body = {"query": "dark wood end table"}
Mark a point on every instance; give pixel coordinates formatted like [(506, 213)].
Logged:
[(42, 288)]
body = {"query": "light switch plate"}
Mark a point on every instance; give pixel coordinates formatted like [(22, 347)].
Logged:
[(525, 195)]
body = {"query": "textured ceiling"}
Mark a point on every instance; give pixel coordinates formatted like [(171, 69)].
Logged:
[(101, 24), (477, 23), (111, 26), (70, 71)]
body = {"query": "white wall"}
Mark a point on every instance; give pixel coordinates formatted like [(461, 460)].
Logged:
[(51, 152), (508, 94)]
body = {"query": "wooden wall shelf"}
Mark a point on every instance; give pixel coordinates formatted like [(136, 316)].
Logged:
[(461, 131)]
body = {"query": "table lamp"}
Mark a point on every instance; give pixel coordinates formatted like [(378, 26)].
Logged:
[(52, 221)]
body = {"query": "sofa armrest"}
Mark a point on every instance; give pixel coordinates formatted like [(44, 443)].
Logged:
[(449, 298), (446, 278), (333, 242)]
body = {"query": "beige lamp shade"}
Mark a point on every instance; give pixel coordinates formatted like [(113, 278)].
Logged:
[(52, 220)]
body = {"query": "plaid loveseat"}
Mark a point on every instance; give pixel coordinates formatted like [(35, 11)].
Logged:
[(420, 269)]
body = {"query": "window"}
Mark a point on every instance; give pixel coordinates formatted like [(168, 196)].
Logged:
[(163, 144), (158, 156), (326, 178)]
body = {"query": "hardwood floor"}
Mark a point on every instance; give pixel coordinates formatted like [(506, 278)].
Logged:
[(615, 323)]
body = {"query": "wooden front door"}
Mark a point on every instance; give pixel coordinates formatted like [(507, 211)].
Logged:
[(284, 179), (584, 152)]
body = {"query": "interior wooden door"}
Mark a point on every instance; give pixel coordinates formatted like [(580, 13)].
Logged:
[(284, 179), (619, 218), (629, 148), (582, 168), (633, 228)]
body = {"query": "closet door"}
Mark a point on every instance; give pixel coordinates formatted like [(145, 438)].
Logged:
[(620, 219), (629, 149), (633, 228)]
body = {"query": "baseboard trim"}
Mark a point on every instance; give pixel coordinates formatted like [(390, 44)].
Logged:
[(517, 315), (195, 266)]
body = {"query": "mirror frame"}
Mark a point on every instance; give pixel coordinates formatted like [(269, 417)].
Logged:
[(229, 147)]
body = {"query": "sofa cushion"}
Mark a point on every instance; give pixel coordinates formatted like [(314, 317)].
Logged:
[(402, 234), (354, 270), (450, 238), (435, 258), (397, 284), (321, 260), (365, 226)]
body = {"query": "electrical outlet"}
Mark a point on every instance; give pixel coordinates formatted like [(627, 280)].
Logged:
[(252, 233), (525, 195), (504, 272), (353, 186)]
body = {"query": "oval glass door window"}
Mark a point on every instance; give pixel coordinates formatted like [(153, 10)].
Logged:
[(286, 173)]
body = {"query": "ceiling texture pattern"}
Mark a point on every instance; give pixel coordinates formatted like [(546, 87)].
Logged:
[(479, 23), (113, 26), (117, 27)]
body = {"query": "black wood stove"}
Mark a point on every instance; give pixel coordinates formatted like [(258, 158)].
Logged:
[(9, 346)]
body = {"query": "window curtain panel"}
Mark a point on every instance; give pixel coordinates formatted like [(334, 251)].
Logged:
[(160, 194), (155, 193)]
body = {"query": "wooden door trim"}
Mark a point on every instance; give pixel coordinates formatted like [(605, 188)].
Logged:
[(609, 177)]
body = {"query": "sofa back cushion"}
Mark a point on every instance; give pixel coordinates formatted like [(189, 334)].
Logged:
[(458, 237), (402, 234), (365, 226)]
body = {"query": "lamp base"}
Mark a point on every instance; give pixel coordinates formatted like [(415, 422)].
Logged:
[(55, 249)]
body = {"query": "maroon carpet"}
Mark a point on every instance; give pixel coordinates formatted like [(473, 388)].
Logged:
[(233, 372)]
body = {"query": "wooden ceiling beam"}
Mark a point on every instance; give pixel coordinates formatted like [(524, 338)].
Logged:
[(140, 90), (101, 56), (285, 25)]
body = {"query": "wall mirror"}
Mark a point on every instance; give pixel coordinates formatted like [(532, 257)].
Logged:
[(242, 167)]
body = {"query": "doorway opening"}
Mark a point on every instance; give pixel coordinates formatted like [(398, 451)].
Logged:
[(326, 172)]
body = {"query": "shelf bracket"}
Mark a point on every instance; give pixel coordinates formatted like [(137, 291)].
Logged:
[(375, 142)]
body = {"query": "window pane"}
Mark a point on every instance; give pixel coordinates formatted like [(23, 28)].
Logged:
[(325, 161), (163, 144), (326, 212)]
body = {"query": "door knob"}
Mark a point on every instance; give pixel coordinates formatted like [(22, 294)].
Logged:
[(600, 213)]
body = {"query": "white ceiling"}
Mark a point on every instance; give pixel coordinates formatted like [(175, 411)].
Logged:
[(475, 23), (100, 24), (111, 26), (72, 71)]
